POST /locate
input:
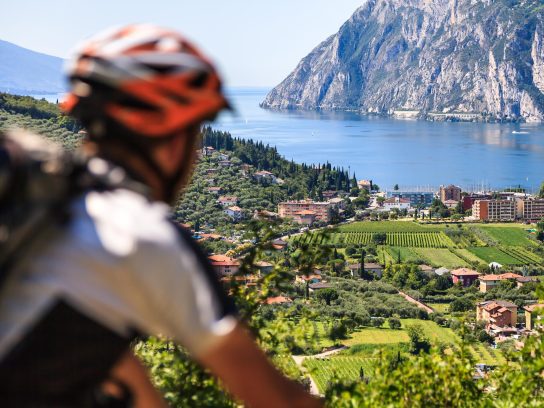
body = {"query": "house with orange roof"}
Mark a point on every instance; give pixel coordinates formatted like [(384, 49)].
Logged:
[(488, 282), (464, 276), (497, 314), (264, 267), (224, 265), (306, 217), (277, 300), (534, 316), (214, 190), (228, 201)]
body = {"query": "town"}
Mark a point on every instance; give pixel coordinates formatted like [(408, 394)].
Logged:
[(448, 264)]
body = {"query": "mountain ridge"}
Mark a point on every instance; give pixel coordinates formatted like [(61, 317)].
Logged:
[(435, 59), (28, 72)]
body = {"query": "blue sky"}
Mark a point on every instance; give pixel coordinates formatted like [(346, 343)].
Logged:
[(255, 43)]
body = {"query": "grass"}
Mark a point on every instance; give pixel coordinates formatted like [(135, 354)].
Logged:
[(406, 254), (514, 236), (323, 370), (441, 257), (440, 307), (467, 255), (494, 254), (376, 336), (389, 226)]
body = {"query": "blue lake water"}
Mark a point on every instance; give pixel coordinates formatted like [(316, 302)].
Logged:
[(412, 153)]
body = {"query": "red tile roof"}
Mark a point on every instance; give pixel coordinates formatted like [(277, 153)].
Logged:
[(464, 272)]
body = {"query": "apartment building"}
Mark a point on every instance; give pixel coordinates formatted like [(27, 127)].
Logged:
[(417, 198), (494, 210), (293, 209), (450, 193), (530, 209)]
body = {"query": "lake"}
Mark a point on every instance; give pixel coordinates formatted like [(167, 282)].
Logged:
[(412, 153)]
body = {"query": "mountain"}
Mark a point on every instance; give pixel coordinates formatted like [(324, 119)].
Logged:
[(27, 72), (428, 57)]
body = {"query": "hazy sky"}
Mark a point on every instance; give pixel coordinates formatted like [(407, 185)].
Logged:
[(255, 43)]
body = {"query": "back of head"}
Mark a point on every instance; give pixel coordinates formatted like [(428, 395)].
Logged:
[(143, 81)]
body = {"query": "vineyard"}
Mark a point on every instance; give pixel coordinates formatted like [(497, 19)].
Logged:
[(400, 239), (447, 245), (323, 370)]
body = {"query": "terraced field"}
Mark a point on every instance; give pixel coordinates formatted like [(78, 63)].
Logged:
[(496, 254), (323, 370), (438, 257)]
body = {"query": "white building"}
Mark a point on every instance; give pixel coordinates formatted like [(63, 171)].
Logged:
[(396, 203)]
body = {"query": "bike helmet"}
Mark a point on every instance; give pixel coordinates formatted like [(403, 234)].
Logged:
[(146, 80)]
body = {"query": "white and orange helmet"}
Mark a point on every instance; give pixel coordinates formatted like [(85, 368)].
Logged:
[(149, 80)]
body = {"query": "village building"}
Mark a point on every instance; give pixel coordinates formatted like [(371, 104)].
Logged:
[(228, 201), (265, 176), (337, 202), (223, 156), (225, 163), (312, 278), (451, 204), (264, 215), (327, 195), (498, 316), (264, 267), (442, 271), (370, 267), (530, 209), (234, 212), (427, 269), (365, 185), (450, 193), (523, 280), (207, 151), (469, 200), (396, 203), (416, 198), (319, 286), (305, 217), (464, 276), (488, 282), (534, 316), (494, 210), (289, 209), (214, 190), (224, 265), (277, 300), (279, 244), (211, 172)]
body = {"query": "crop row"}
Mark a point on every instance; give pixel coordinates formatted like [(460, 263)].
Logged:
[(522, 255), (324, 370)]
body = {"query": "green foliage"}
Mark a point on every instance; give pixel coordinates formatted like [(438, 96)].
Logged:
[(394, 323), (182, 382), (419, 343)]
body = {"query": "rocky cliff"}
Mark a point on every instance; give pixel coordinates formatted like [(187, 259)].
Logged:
[(427, 57)]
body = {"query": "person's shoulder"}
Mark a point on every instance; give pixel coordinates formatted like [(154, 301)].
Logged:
[(126, 221)]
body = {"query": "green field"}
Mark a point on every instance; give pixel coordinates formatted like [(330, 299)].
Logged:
[(344, 366), (376, 336), (441, 257), (323, 370), (440, 307), (511, 235), (389, 226), (470, 244), (406, 254), (495, 254)]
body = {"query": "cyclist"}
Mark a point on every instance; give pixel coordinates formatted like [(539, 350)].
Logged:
[(119, 268)]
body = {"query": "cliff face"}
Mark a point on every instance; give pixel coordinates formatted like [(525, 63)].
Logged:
[(427, 56)]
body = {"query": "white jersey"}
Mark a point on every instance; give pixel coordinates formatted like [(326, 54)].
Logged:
[(119, 267)]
